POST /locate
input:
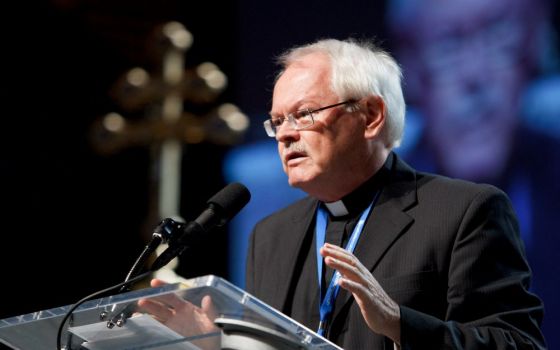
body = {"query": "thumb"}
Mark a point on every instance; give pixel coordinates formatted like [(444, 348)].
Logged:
[(208, 307)]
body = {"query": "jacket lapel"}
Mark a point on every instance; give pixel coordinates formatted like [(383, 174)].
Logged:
[(386, 222), (296, 230)]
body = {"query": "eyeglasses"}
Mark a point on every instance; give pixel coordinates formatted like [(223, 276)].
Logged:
[(299, 120)]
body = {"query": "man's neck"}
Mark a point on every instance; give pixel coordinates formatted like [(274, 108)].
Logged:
[(338, 191), (357, 200)]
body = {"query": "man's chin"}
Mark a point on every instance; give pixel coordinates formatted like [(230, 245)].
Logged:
[(306, 179), (299, 182)]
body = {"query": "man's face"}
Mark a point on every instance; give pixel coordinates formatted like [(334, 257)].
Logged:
[(325, 154), (470, 57)]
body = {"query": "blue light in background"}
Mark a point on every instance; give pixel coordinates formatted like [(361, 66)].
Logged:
[(257, 166)]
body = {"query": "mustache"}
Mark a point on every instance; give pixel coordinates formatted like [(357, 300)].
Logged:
[(295, 147)]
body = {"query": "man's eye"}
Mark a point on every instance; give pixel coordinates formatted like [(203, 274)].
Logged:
[(301, 114), (277, 121)]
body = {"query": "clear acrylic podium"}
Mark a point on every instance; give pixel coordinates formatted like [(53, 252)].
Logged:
[(243, 322)]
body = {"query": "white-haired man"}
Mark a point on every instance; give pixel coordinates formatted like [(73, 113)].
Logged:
[(379, 255)]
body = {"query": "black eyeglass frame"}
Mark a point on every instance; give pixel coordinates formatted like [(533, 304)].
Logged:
[(272, 124)]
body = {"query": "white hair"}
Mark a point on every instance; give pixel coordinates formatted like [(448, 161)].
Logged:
[(360, 69)]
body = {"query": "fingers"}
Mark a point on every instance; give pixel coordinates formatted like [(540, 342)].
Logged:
[(335, 251), (179, 314), (208, 307), (163, 307), (380, 312), (171, 300), (157, 282), (359, 291), (156, 309), (343, 261)]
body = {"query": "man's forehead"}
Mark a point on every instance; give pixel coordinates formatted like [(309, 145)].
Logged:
[(299, 85)]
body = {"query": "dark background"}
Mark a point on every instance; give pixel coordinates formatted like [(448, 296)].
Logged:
[(73, 220)]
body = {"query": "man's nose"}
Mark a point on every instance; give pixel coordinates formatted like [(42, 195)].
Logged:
[(286, 131)]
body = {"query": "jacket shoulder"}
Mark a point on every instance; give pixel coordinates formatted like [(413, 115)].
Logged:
[(294, 212), (441, 187)]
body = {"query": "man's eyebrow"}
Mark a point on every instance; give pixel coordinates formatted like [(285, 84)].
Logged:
[(297, 103)]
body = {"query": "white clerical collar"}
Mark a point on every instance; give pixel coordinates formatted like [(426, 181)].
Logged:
[(337, 208)]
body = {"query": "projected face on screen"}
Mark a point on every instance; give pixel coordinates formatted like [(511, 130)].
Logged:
[(465, 63)]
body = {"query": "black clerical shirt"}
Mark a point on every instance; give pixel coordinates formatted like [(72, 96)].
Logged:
[(303, 300)]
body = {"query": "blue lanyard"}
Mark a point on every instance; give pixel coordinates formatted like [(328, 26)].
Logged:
[(327, 302)]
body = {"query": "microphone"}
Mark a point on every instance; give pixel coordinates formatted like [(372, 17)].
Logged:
[(223, 206)]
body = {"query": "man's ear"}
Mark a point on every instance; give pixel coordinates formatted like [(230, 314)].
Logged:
[(375, 111)]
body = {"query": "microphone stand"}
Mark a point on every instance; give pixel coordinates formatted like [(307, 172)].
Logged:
[(167, 230)]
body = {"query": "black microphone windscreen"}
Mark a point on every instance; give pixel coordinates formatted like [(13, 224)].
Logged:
[(223, 206), (231, 199)]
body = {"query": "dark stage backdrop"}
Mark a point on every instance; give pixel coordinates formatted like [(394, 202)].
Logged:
[(482, 98), (72, 219)]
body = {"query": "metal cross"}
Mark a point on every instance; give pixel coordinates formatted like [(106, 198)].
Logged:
[(167, 126)]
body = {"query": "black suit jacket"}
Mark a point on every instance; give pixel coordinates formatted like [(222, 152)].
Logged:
[(447, 251)]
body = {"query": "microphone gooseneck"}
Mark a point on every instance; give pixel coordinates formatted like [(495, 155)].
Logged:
[(166, 231), (223, 206)]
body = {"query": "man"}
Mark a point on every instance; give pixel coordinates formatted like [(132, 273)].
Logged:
[(429, 262)]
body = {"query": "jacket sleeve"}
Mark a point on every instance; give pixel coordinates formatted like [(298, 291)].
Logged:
[(250, 262), (488, 302)]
